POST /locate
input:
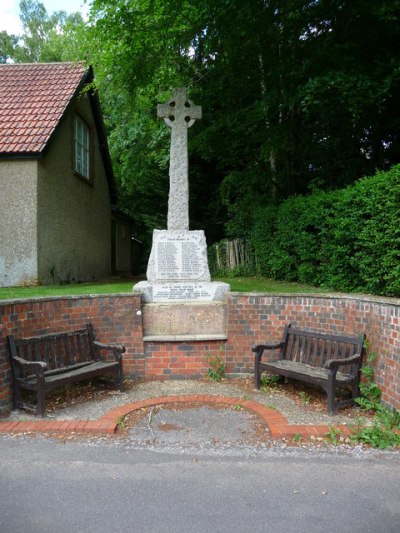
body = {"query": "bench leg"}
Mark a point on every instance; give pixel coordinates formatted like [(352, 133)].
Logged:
[(119, 379), (17, 397), (355, 390), (330, 391), (331, 403), (257, 377), (41, 400)]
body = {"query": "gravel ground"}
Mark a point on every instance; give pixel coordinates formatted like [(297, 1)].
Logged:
[(293, 411)]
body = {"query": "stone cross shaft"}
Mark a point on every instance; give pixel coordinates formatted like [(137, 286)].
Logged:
[(179, 114)]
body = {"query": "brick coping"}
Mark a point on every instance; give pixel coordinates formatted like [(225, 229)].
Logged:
[(107, 424)]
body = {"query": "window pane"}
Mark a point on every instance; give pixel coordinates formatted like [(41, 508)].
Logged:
[(85, 171), (81, 147)]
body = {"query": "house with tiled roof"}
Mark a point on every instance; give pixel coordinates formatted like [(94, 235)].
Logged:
[(56, 178)]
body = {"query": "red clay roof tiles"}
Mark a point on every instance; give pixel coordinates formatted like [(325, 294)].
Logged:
[(33, 98)]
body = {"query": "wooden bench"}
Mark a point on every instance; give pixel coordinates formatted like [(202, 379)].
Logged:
[(40, 364), (329, 361)]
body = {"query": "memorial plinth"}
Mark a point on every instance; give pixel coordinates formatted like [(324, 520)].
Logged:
[(178, 269), (199, 321), (181, 303)]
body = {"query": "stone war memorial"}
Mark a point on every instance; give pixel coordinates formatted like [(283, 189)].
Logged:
[(180, 300)]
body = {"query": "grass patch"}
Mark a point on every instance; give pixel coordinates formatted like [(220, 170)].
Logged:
[(259, 284), (65, 290), (250, 284)]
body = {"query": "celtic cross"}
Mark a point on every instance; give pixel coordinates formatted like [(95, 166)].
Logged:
[(179, 114)]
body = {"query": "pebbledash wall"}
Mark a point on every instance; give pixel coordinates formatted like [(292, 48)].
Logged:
[(252, 318)]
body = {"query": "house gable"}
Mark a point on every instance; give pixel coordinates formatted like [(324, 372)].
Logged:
[(34, 99), (68, 214)]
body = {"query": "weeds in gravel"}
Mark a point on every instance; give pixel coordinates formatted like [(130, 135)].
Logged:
[(268, 381), (384, 432), (297, 438), (121, 424), (305, 398), (370, 393), (335, 435)]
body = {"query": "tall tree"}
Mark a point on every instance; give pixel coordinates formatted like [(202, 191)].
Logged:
[(46, 37), (296, 94), (9, 44)]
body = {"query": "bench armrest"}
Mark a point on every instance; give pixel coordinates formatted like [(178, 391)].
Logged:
[(38, 367), (117, 349), (259, 348), (335, 363)]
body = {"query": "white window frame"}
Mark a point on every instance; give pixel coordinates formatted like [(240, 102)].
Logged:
[(81, 147)]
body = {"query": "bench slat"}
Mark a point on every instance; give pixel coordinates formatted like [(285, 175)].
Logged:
[(321, 352), (80, 344), (54, 358), (302, 348), (29, 352), (291, 367), (66, 351), (314, 355), (46, 357), (76, 371), (308, 349)]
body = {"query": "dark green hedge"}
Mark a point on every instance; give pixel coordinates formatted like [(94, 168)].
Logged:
[(347, 240)]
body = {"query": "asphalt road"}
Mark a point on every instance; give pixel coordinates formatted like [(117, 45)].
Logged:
[(103, 486)]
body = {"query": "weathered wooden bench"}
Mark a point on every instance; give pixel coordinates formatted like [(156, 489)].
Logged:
[(40, 364), (329, 361)]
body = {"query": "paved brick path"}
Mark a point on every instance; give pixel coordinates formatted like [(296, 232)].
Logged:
[(107, 424)]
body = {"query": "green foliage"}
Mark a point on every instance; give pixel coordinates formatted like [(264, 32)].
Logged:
[(216, 371), (347, 240), (297, 438), (305, 398), (293, 96), (370, 393), (9, 46), (121, 424), (287, 239), (269, 380), (384, 432), (335, 435), (46, 37), (370, 396), (364, 236)]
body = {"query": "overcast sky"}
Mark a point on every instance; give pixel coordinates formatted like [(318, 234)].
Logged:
[(9, 12)]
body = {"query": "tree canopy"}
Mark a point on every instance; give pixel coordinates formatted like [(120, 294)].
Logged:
[(46, 37), (297, 95)]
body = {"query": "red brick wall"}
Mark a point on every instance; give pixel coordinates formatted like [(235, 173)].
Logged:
[(180, 360), (252, 318)]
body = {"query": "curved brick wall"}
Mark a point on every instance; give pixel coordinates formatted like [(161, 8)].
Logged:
[(252, 318)]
